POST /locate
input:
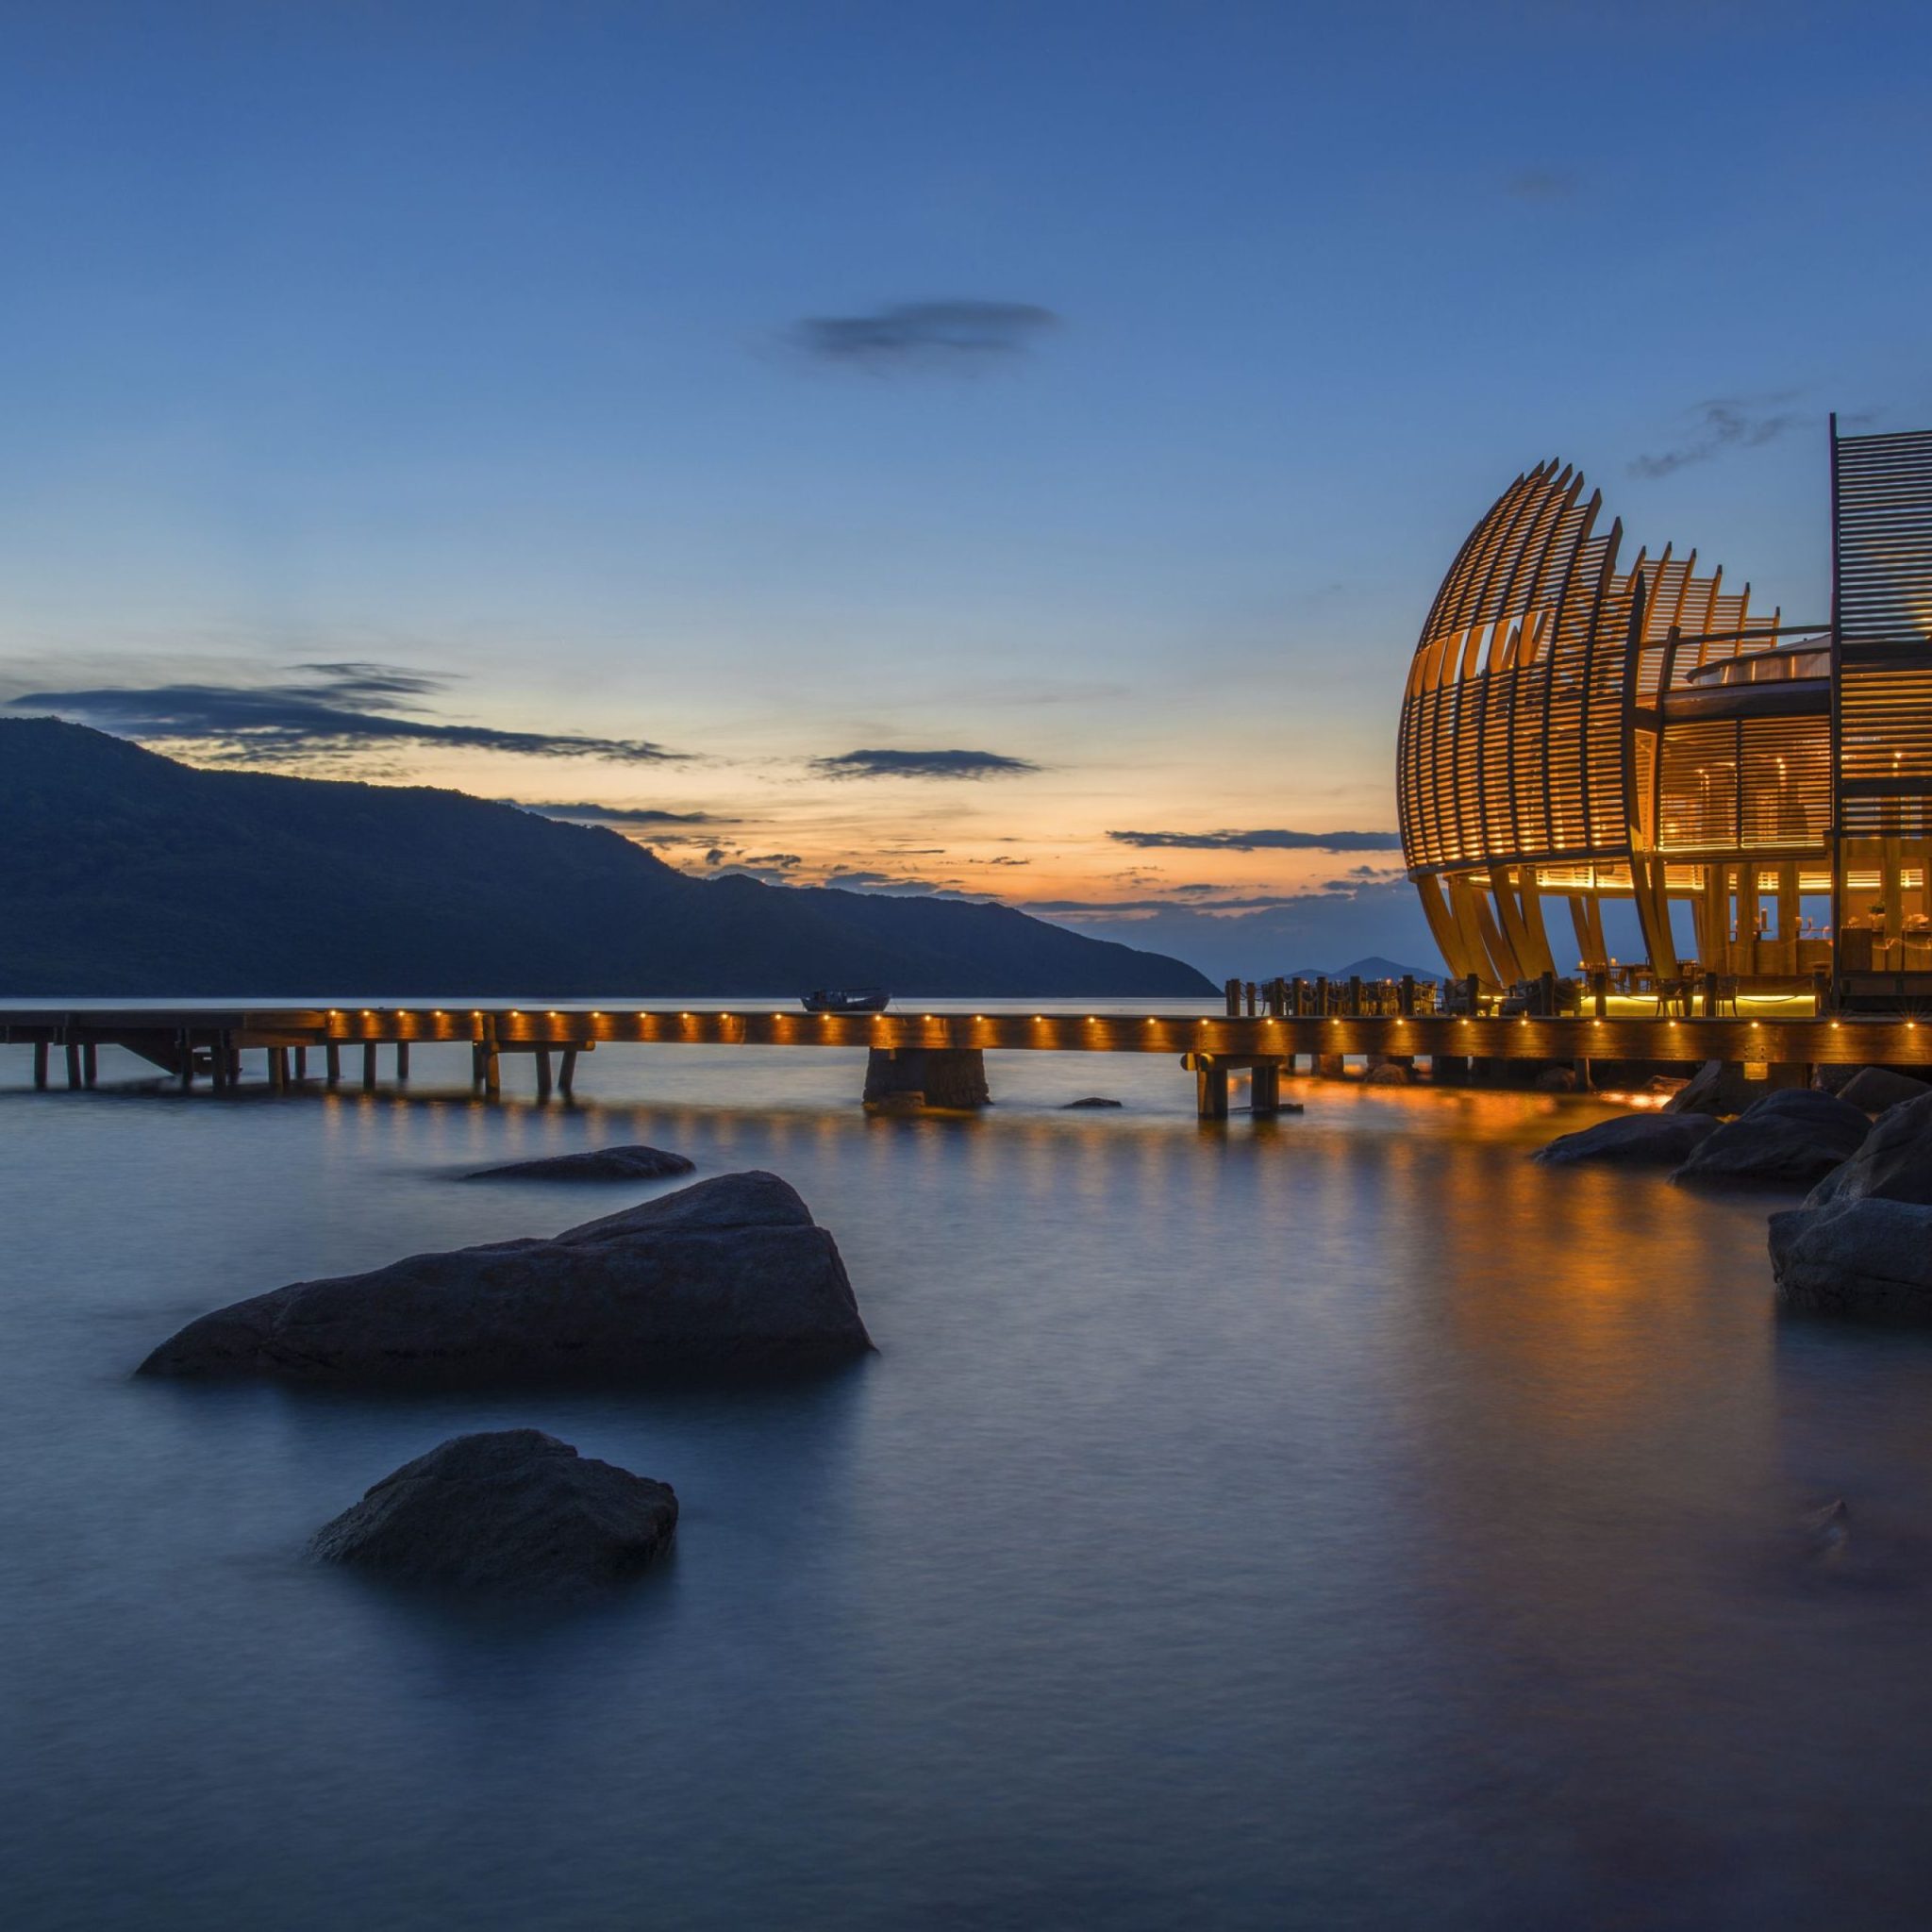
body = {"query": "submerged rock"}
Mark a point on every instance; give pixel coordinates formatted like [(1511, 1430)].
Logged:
[(1894, 1162), (728, 1276), (596, 1164), (1092, 1100), (513, 1509), (1860, 1257), (1875, 1089), (1631, 1140), (1791, 1139)]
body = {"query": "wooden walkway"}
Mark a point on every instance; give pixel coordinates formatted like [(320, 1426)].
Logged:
[(300, 1044)]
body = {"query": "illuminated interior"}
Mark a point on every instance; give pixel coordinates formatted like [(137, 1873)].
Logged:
[(1579, 729)]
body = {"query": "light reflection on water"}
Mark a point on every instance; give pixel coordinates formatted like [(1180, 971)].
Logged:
[(1335, 1521)]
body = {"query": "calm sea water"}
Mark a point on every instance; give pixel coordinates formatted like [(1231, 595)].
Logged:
[(1330, 1523)]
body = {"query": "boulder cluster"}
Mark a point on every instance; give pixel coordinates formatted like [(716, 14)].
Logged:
[(1860, 1241)]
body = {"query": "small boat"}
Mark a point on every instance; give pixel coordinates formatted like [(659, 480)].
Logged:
[(836, 999)]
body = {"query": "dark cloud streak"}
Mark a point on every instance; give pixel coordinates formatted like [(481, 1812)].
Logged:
[(932, 334), (1275, 841), (618, 814), (250, 724), (1734, 422), (921, 764)]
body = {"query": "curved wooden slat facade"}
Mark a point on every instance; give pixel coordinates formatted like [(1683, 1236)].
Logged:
[(1582, 729)]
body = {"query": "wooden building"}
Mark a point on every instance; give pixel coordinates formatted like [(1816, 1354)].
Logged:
[(1584, 730)]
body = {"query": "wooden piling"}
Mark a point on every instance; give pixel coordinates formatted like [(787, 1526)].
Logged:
[(1264, 1091), (543, 1072), (1211, 1087), (72, 1055), (402, 1061), (567, 1073), (332, 1063), (369, 1066), (90, 1063)]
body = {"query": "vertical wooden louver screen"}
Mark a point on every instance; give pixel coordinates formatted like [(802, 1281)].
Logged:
[(1882, 489)]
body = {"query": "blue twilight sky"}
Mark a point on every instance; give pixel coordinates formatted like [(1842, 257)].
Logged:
[(650, 407)]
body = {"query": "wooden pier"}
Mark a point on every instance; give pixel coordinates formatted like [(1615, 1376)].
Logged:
[(301, 1046)]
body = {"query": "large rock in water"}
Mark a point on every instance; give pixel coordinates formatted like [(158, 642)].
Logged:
[(595, 1164), (1875, 1089), (512, 1510), (1858, 1257), (1631, 1140), (1790, 1139), (728, 1276), (1894, 1162)]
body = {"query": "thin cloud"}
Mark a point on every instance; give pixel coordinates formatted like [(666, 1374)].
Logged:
[(957, 334), (251, 723), (1735, 423), (855, 880), (921, 764), (1542, 184), (617, 814), (1235, 908), (1275, 841)]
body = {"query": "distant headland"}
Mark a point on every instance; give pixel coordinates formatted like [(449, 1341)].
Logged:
[(132, 875)]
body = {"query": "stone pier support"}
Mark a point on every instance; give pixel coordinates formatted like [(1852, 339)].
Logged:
[(947, 1076)]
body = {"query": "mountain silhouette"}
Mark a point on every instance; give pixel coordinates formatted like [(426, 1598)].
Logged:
[(131, 875)]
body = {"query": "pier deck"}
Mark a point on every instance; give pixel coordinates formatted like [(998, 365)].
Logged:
[(201, 1042)]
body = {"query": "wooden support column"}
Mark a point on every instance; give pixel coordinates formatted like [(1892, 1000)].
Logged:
[(567, 1073), (301, 1063), (186, 1040), (1264, 1093), (90, 1063), (41, 1065), (278, 1069), (368, 1065), (72, 1058), (1211, 1087), (402, 1061), (488, 1060), (332, 1063), (543, 1072)]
